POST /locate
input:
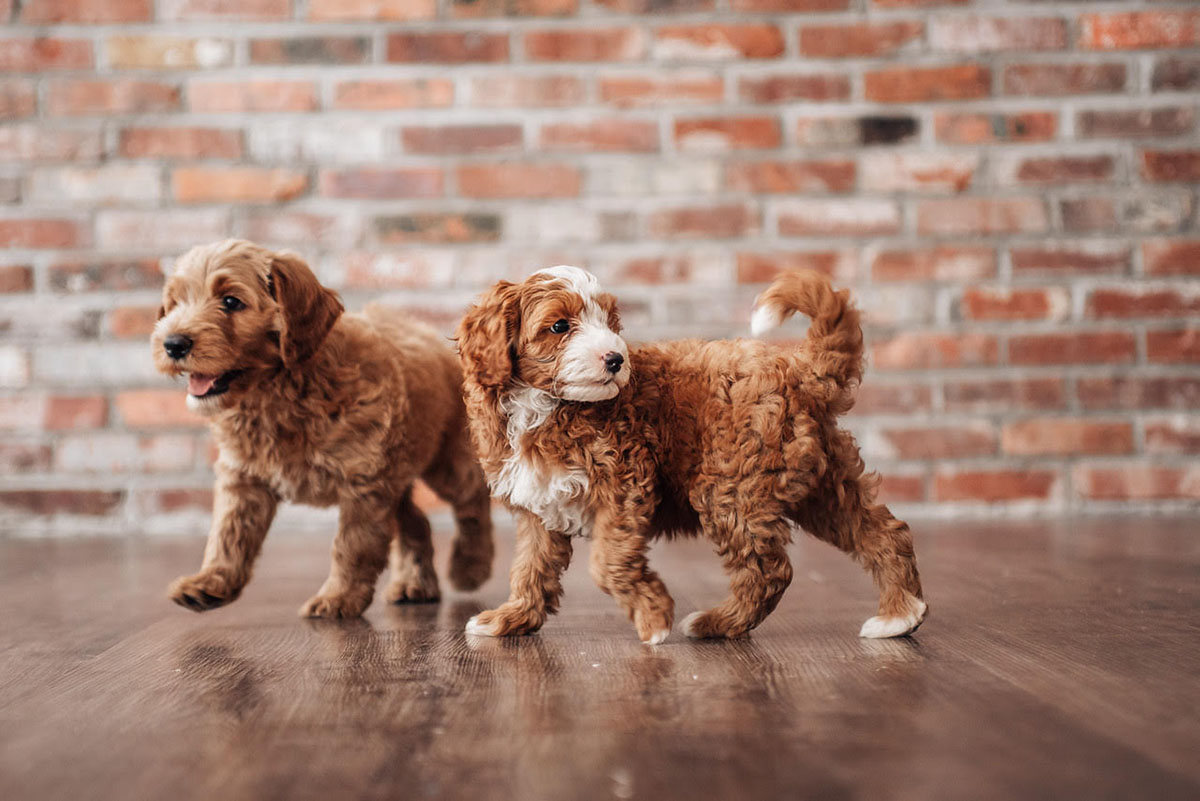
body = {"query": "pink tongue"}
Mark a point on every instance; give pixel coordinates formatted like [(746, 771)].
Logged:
[(199, 384)]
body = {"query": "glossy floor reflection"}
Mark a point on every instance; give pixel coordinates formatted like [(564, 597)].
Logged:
[(1059, 661)]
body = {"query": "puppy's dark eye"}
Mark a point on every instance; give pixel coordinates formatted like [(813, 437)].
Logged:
[(560, 327), (230, 303)]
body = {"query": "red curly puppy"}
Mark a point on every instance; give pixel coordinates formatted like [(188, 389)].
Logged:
[(311, 405), (581, 435)]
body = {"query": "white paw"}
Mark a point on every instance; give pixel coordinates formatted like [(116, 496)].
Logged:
[(658, 637), (477, 628), (879, 627), (686, 624)]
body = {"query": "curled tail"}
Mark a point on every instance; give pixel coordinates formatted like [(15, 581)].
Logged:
[(834, 346)]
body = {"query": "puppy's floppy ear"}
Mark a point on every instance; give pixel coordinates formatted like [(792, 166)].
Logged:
[(487, 336), (308, 310)]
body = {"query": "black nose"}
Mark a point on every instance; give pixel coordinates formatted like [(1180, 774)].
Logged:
[(177, 346), (613, 362)]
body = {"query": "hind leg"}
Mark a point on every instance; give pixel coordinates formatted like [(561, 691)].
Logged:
[(458, 479), (411, 556), (366, 526), (754, 549)]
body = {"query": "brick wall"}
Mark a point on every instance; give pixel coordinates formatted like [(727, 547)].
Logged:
[(1010, 188)]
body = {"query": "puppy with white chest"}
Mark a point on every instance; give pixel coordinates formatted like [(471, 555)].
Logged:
[(311, 405), (738, 440)]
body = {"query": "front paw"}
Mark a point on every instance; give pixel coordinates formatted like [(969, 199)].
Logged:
[(336, 605), (505, 621), (206, 590), (413, 589), (654, 625)]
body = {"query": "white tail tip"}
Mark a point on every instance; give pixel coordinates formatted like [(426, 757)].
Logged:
[(765, 318)]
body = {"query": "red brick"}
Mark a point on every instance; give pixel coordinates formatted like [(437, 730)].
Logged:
[(42, 54), (1064, 79), (438, 228), (166, 52), (181, 143), (659, 89), (259, 95), (383, 183), (1058, 436), (233, 10), (24, 457), (720, 134), (38, 233), (1171, 256), (518, 180), (1142, 302), (406, 270), (1138, 481), (639, 136), (168, 501), (1015, 304), (945, 263), (1000, 395), (859, 40), (311, 50), (992, 34), (587, 44), (1068, 257), (105, 275), (789, 88), (917, 3), (943, 442), (1103, 347), (16, 278), (762, 268), (86, 11), (925, 351), (1173, 347), (156, 408), (1179, 435), (1123, 124), (838, 217), (791, 177), (1055, 170), (67, 412), (718, 42), (73, 98), (527, 91), (132, 322), (853, 131), (514, 8), (1176, 74), (707, 222), (17, 99), (877, 397), (789, 6), (1139, 392), (918, 172), (979, 129), (1179, 165), (928, 84), (394, 94), (93, 503), (236, 184), (383, 10), (894, 488), (962, 216), (994, 486), (1140, 30), (1088, 214), (462, 139)]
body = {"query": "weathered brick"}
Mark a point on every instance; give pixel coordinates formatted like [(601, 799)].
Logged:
[(527, 91), (1171, 256), (1137, 481), (86, 11), (311, 50), (1171, 165), (883, 171), (304, 230), (1019, 169), (1101, 347), (789, 6), (720, 134), (707, 222), (979, 129), (1123, 124), (991, 34), (1142, 301), (168, 501), (902, 488), (994, 486), (81, 97), (75, 412), (790, 88), (518, 180), (49, 502), (945, 263), (1003, 395), (762, 268), (586, 44), (852, 131), (236, 184), (396, 93), (1173, 347), (18, 98), (640, 136), (255, 95), (368, 182), (1139, 30), (941, 442), (45, 53), (838, 217), (320, 140), (1086, 257), (22, 412), (24, 457), (917, 3), (1058, 436), (1088, 214), (180, 143), (171, 230), (95, 276), (1064, 79), (434, 227), (658, 89), (963, 216), (29, 143), (995, 303), (925, 351), (526, 8), (16, 278), (859, 40), (156, 408), (501, 138), (1176, 435), (39, 233), (14, 367), (791, 177), (234, 10), (893, 397), (927, 84), (132, 322), (707, 42), (1139, 392), (1156, 210), (167, 52), (382, 10), (409, 269), (122, 453), (97, 186), (1176, 73)]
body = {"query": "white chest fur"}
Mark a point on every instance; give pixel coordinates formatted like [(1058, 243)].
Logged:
[(554, 494)]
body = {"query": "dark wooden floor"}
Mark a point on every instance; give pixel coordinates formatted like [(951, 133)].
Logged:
[(1059, 661)]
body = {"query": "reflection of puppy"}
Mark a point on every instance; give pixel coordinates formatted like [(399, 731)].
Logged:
[(310, 405), (737, 439)]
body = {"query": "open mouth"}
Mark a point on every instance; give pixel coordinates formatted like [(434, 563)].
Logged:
[(202, 385)]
